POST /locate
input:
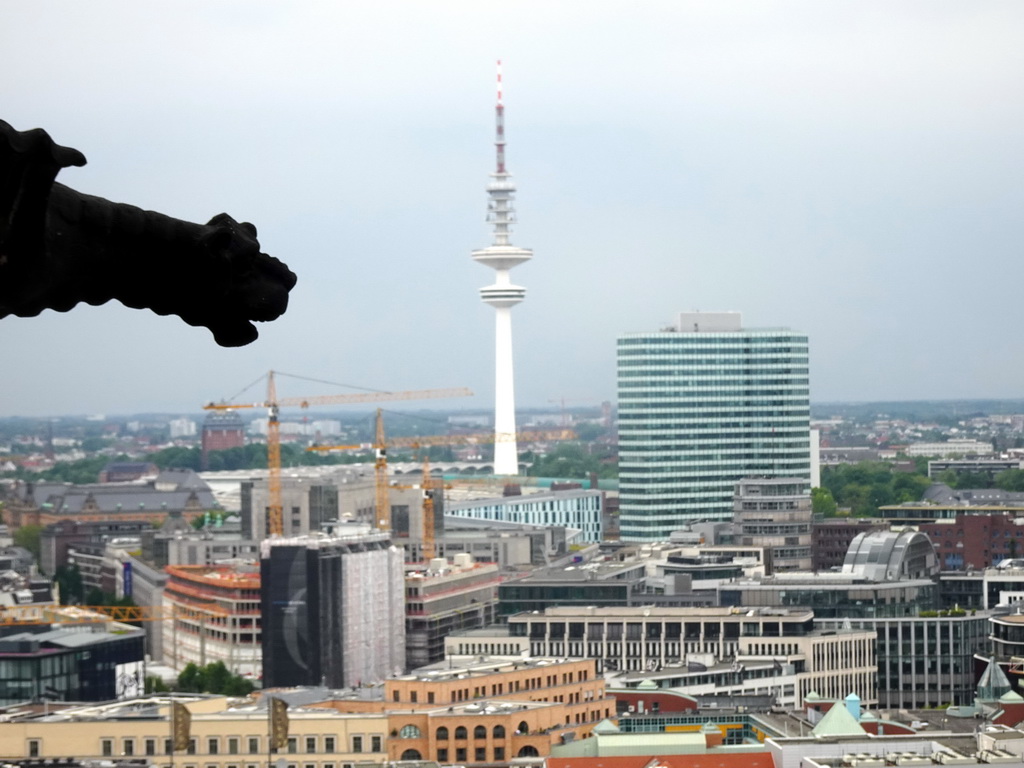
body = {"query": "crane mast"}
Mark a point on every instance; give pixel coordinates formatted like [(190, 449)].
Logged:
[(275, 510), (380, 473)]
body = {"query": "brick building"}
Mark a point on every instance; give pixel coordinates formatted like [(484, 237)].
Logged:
[(221, 430), (975, 541)]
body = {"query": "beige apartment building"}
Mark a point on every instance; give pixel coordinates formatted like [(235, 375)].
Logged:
[(222, 735)]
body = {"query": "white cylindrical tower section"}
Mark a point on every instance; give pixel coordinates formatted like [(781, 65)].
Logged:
[(506, 449)]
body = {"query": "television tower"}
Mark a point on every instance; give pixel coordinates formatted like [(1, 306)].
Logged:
[(501, 256)]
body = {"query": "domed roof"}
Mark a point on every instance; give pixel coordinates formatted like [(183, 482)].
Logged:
[(890, 555)]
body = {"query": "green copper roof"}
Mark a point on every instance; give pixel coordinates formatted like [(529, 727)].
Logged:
[(838, 722)]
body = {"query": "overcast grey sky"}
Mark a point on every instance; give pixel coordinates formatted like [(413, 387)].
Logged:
[(854, 170)]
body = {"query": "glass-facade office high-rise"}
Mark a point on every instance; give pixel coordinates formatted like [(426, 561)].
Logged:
[(701, 406)]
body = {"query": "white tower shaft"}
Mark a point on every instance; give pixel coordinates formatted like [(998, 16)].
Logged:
[(506, 456), (502, 256)]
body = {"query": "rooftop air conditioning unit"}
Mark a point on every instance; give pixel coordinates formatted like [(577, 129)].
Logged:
[(953, 758), (913, 759)]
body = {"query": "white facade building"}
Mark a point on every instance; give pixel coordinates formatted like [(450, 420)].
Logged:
[(579, 509), (182, 428), (952, 448), (700, 650)]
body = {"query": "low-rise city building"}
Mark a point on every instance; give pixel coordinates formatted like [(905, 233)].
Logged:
[(215, 616), (950, 448), (833, 595), (575, 508), (700, 650), (513, 546), (223, 734), (976, 541), (925, 660), (445, 597), (70, 655), (490, 710), (46, 503)]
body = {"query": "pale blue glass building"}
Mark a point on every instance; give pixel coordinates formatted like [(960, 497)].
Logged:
[(702, 405), (576, 508)]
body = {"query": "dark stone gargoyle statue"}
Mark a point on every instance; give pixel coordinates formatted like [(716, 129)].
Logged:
[(59, 247)]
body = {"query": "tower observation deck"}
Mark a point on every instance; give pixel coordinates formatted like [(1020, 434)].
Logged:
[(502, 294)]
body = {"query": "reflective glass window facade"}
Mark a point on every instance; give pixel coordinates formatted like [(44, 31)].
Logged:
[(699, 411)]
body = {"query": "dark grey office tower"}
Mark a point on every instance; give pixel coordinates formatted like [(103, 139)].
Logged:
[(333, 609)]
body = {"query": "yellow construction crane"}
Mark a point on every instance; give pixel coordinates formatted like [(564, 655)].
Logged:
[(382, 444), (23, 615), (429, 486), (273, 404)]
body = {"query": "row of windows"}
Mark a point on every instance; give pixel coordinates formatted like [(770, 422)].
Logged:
[(725, 469), (687, 383), (653, 459), (670, 402), (461, 733), (655, 630), (709, 347), (793, 529), (701, 421), (712, 434), (673, 340), (233, 745), (654, 488), (461, 754), (710, 380)]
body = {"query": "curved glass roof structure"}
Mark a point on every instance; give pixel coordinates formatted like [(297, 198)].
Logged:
[(889, 555)]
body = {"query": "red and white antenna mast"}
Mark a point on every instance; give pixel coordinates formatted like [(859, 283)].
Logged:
[(499, 118)]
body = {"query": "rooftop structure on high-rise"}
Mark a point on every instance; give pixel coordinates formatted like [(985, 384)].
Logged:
[(775, 513), (502, 256), (701, 405)]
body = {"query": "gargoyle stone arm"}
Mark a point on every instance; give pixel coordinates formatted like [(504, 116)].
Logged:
[(59, 247)]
